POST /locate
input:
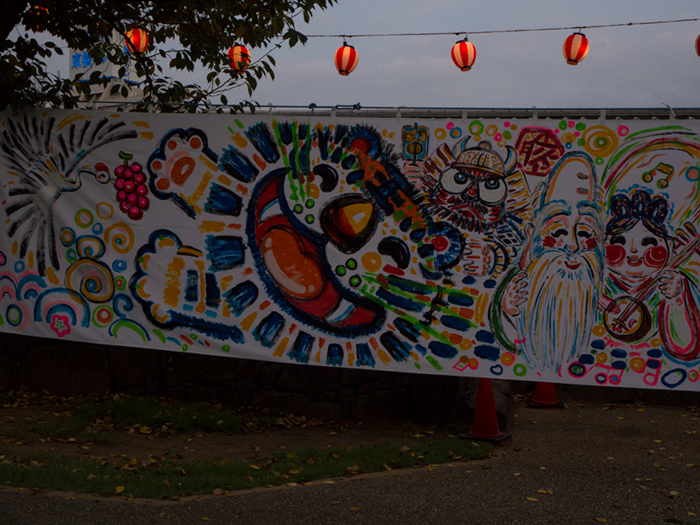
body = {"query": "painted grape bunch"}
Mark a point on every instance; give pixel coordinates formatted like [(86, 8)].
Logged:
[(131, 186)]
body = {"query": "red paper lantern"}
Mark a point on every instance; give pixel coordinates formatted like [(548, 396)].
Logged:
[(464, 54), (575, 48), (240, 58), (136, 40), (697, 46), (346, 59)]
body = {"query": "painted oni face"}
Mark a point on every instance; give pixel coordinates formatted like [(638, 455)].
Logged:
[(472, 196), (636, 253)]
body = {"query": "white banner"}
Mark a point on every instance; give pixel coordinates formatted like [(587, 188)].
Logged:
[(556, 250)]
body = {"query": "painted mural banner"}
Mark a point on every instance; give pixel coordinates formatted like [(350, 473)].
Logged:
[(543, 250)]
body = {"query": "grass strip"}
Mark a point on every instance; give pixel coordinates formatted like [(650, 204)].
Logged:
[(96, 419), (168, 477)]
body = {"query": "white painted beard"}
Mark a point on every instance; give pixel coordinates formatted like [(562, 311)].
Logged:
[(556, 321)]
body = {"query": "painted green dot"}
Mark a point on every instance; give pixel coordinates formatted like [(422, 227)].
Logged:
[(298, 208), (580, 126), (351, 263), (340, 270), (310, 203), (185, 347), (355, 281), (226, 348), (507, 135), (309, 219), (563, 125), (581, 142), (520, 370), (599, 160)]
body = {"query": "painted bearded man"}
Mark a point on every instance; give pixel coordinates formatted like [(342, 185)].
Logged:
[(546, 307)]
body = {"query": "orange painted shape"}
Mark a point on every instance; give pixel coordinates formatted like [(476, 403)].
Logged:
[(351, 359), (279, 351), (211, 226), (294, 271), (264, 305), (261, 163), (51, 275), (455, 339), (248, 321), (507, 358), (321, 342), (383, 357), (292, 328), (182, 169), (241, 189), (247, 271), (223, 179)]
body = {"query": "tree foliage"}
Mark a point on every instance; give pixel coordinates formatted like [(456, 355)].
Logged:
[(182, 33)]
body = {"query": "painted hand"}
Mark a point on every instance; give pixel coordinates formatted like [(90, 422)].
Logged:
[(671, 284), (515, 295), (478, 258)]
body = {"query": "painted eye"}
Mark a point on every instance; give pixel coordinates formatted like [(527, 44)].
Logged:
[(102, 177), (492, 191), (618, 239), (454, 181)]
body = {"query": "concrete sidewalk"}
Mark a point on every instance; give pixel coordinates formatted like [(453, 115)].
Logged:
[(596, 463)]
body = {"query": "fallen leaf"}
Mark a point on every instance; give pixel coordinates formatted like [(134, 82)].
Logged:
[(119, 490), (601, 520), (328, 482), (620, 417), (217, 492), (386, 467), (335, 503), (531, 499), (292, 484), (204, 518), (404, 449), (673, 493), (255, 467), (332, 433), (543, 468), (516, 474), (354, 508)]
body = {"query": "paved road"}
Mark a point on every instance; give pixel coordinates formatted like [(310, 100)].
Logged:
[(624, 465)]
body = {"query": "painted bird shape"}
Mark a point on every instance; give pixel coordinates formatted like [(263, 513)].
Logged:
[(45, 164)]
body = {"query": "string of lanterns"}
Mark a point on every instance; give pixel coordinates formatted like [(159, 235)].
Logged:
[(346, 58)]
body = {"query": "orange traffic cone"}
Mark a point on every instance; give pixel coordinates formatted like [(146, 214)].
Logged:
[(485, 427), (545, 397)]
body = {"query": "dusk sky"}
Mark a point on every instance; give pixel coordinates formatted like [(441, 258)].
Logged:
[(638, 66)]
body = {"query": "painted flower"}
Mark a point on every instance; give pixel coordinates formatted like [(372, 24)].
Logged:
[(60, 324)]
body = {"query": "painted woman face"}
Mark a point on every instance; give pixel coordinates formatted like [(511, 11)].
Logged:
[(636, 253)]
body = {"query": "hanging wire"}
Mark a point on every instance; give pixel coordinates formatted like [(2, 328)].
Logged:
[(499, 31)]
